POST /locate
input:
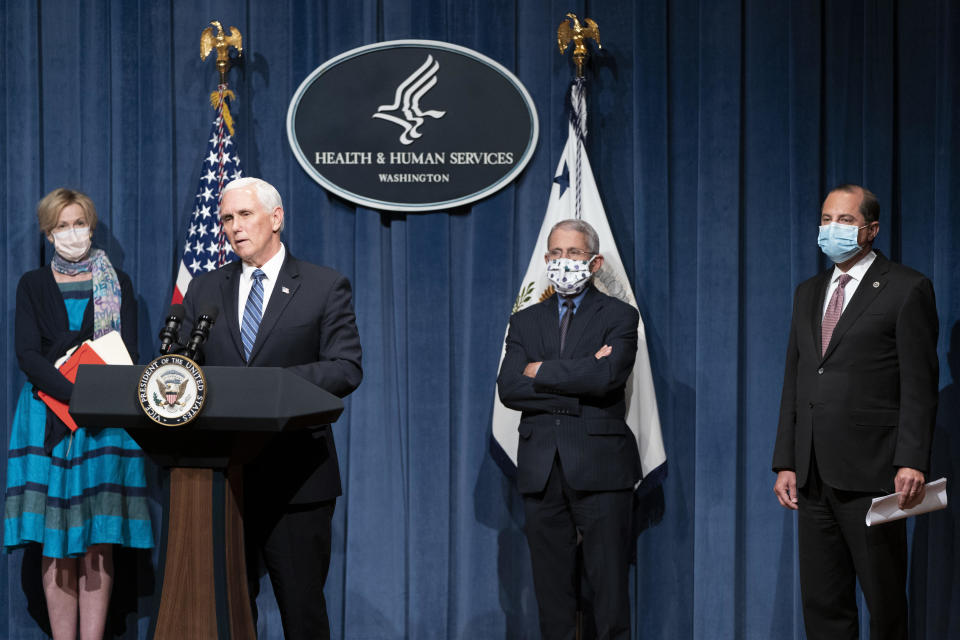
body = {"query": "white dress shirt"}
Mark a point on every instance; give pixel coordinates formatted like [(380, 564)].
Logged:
[(272, 270), (856, 274)]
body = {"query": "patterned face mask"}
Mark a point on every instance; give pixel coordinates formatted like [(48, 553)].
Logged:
[(569, 277)]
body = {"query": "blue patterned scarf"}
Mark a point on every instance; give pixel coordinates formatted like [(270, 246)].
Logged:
[(106, 288)]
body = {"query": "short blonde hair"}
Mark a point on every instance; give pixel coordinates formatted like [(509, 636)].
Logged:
[(48, 209)]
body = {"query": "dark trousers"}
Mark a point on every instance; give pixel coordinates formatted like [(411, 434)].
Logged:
[(603, 518), (295, 543), (837, 548)]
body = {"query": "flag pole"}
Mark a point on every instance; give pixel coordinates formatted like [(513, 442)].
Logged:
[(205, 247), (574, 194), (218, 100), (571, 30), (205, 250)]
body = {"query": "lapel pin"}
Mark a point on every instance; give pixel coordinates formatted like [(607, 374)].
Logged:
[(285, 290), (876, 284)]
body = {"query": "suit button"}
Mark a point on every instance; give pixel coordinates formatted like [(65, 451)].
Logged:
[(810, 405), (820, 371), (558, 422)]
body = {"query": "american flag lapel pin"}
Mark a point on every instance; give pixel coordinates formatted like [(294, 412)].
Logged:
[(284, 289)]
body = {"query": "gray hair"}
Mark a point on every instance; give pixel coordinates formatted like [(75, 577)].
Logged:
[(266, 193), (574, 224)]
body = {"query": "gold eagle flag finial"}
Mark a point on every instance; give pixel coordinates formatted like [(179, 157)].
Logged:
[(572, 30), (222, 43)]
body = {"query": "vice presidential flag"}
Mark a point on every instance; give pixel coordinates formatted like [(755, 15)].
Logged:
[(206, 247), (574, 195)]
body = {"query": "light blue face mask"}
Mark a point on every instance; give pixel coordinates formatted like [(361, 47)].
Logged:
[(839, 241)]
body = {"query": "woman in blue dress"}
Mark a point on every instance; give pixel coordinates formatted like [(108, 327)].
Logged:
[(74, 493)]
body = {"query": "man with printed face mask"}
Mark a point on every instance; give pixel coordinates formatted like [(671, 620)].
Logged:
[(856, 420), (566, 366)]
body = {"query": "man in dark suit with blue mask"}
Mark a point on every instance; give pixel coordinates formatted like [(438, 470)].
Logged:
[(856, 421), (566, 365), (277, 311)]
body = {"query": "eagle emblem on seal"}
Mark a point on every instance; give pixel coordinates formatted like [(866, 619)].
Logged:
[(172, 390)]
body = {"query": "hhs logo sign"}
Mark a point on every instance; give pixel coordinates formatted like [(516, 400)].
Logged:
[(412, 125), (408, 95)]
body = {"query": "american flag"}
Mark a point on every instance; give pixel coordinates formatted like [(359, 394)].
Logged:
[(206, 247)]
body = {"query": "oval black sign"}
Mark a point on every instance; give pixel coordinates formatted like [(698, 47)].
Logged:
[(412, 125)]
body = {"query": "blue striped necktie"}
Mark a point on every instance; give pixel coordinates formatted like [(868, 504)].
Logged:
[(252, 313)]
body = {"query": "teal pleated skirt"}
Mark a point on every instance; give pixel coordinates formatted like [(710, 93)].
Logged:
[(91, 490)]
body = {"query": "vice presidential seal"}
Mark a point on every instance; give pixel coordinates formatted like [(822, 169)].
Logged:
[(172, 390)]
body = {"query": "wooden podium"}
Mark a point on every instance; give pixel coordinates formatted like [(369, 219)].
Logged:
[(203, 565)]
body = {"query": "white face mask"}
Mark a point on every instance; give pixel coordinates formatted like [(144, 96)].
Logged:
[(569, 277), (72, 244)]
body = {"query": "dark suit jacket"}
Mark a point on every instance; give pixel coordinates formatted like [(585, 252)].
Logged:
[(575, 405), (867, 407), (310, 329)]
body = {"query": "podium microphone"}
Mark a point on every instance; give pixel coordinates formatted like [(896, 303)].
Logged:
[(201, 331), (170, 332)]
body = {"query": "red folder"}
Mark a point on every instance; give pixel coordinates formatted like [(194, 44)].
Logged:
[(83, 355)]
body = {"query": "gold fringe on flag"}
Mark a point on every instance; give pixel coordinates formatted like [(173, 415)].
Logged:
[(215, 103)]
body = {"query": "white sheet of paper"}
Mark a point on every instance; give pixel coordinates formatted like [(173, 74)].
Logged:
[(885, 508), (111, 349)]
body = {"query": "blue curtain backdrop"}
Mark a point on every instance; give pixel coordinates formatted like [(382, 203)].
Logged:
[(716, 128)]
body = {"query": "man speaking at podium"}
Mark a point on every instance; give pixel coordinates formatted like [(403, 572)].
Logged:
[(277, 311)]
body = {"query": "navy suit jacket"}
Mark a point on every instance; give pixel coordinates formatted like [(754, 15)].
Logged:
[(575, 405), (308, 327), (867, 406)]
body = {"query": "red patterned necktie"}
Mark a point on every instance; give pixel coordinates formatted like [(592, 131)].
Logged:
[(832, 316)]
